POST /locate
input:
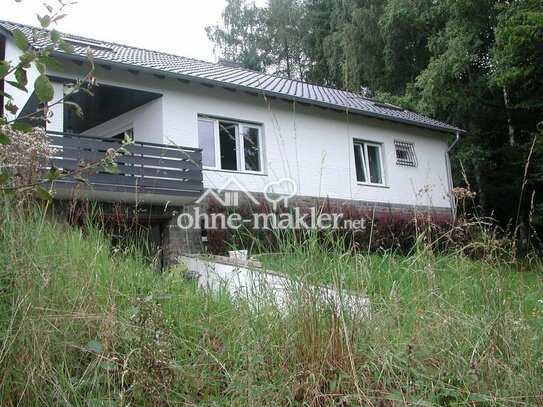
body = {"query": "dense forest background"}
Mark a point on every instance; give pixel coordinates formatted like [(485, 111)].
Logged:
[(477, 64)]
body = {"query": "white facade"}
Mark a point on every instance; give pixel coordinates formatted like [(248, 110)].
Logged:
[(310, 145)]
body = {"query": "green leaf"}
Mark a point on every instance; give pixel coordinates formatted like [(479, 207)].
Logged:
[(95, 346), (43, 194), (45, 21), (4, 176), (27, 58), (4, 140), (6, 95), (10, 107), (75, 107), (55, 36), (24, 127), (17, 85), (20, 76), (4, 68), (44, 89), (112, 170), (48, 49), (51, 63), (20, 39), (52, 175), (66, 47), (40, 67)]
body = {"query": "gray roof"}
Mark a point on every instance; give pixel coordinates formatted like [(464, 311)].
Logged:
[(228, 76)]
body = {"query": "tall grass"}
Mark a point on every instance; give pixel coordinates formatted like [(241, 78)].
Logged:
[(82, 324)]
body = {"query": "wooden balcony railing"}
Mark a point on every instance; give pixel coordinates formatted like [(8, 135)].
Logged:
[(159, 172)]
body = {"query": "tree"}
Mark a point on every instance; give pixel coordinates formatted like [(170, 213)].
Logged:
[(241, 37), (317, 27), (354, 47), (268, 39), (518, 56), (285, 30)]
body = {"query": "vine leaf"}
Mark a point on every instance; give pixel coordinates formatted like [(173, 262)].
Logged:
[(43, 194), (44, 89), (24, 127), (20, 39), (4, 140)]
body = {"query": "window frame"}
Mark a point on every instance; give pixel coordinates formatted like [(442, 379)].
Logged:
[(240, 145), (407, 147), (363, 145)]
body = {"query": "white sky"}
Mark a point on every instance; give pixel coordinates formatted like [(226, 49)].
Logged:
[(174, 26)]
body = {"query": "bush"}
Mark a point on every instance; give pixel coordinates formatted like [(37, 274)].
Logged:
[(26, 156), (383, 230)]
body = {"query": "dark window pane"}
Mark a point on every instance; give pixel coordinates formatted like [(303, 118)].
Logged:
[(252, 149), (227, 137), (401, 154), (206, 141), (359, 163), (127, 133), (374, 164)]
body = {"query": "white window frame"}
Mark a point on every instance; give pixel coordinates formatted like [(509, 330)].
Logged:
[(363, 144), (240, 145)]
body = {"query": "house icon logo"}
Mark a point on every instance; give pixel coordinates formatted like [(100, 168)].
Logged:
[(228, 194)]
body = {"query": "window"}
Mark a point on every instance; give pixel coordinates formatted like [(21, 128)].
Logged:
[(405, 153), (229, 145), (368, 162), (128, 132)]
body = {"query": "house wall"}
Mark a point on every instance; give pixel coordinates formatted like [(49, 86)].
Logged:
[(314, 147), (307, 144), (146, 121), (56, 121), (19, 97)]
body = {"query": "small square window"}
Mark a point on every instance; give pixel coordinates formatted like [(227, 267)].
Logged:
[(405, 153)]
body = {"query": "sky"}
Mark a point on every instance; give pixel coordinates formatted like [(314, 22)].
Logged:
[(173, 26)]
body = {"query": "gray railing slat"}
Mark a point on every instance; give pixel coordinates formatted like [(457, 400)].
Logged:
[(150, 168)]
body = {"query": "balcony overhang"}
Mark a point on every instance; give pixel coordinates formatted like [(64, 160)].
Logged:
[(151, 173)]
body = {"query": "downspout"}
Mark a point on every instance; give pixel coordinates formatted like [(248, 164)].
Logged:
[(449, 174)]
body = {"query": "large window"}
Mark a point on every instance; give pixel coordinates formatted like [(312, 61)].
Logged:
[(230, 145), (368, 162)]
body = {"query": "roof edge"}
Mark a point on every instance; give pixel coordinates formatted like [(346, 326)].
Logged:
[(268, 93)]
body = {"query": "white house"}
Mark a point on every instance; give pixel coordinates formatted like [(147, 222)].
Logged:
[(252, 127)]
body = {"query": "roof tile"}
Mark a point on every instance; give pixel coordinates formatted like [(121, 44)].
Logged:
[(252, 81)]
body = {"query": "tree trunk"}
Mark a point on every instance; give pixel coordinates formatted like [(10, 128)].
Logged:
[(480, 189), (510, 126)]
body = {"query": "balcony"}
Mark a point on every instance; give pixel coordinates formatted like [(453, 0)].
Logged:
[(151, 173)]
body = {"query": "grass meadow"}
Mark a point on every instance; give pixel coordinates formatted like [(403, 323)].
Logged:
[(82, 324)]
